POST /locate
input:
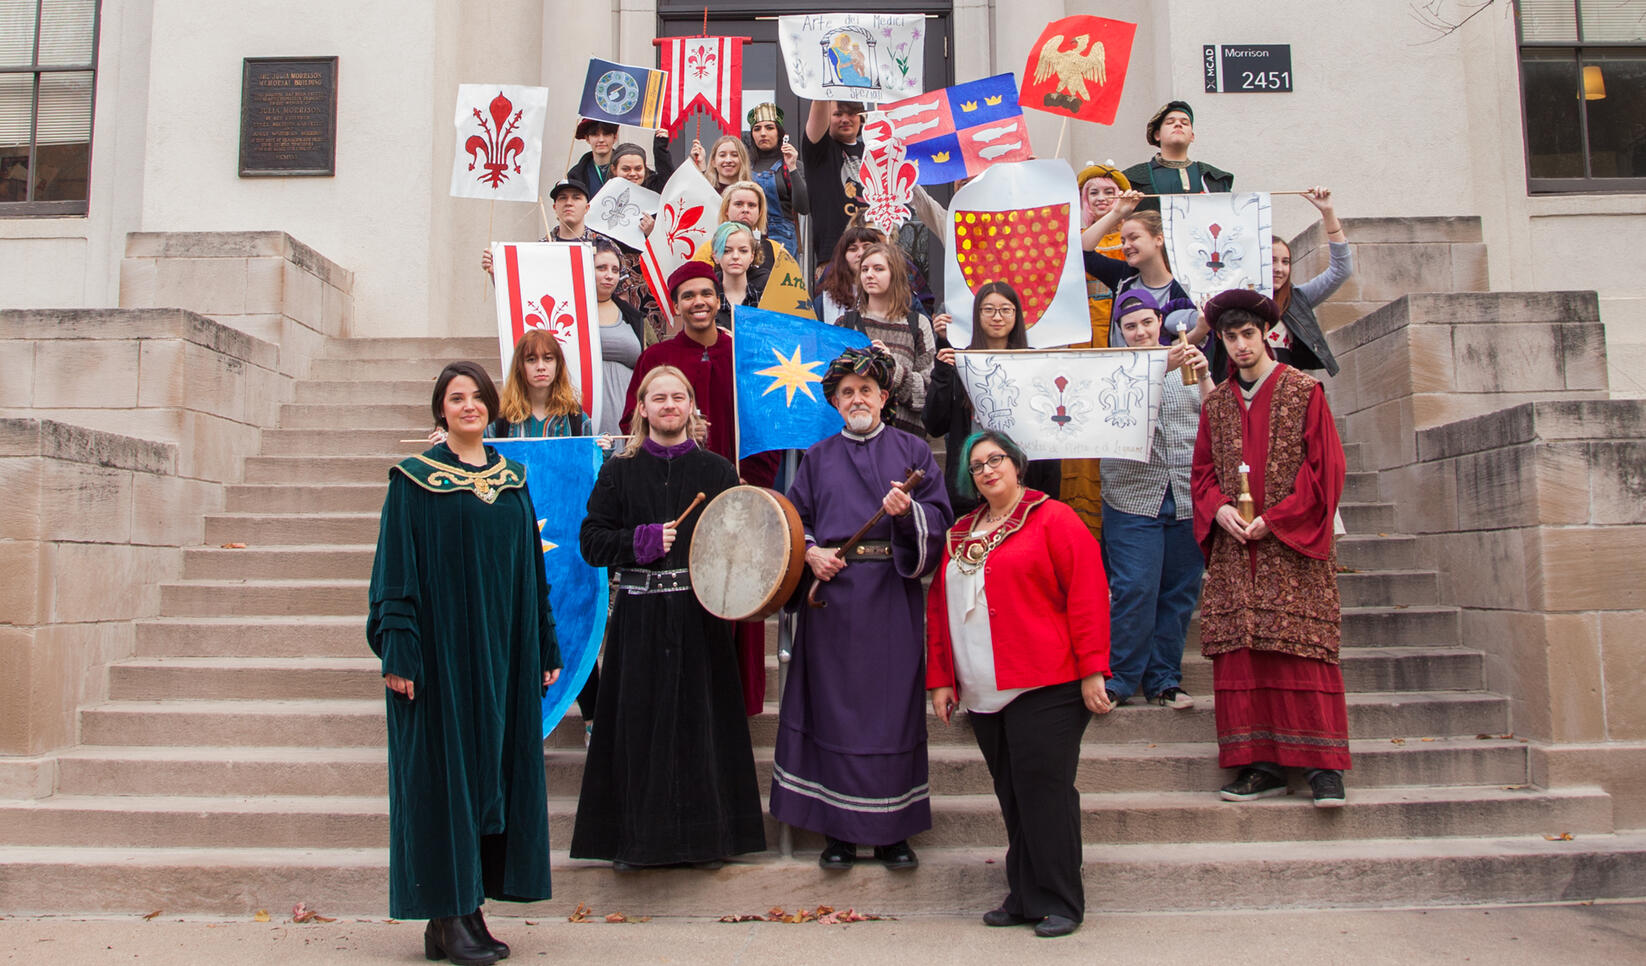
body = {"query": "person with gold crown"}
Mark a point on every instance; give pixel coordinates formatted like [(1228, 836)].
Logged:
[(774, 165)]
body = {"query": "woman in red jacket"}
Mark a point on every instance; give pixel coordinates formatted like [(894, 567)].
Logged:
[(1017, 632)]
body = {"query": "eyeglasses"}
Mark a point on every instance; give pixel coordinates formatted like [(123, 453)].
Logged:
[(992, 462), (998, 311)]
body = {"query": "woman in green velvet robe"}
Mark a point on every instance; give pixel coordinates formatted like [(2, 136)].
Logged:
[(460, 617)]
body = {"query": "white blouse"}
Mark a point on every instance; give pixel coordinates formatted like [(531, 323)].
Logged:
[(973, 646)]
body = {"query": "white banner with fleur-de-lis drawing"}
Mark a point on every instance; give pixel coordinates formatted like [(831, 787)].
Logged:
[(616, 209), (868, 57), (499, 141), (1068, 403), (550, 285), (1217, 242), (687, 214)]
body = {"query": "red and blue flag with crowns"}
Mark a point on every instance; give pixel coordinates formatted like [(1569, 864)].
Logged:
[(958, 131)]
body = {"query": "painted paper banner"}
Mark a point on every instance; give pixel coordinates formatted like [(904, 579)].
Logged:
[(622, 94), (499, 141), (1220, 241), (1019, 223), (1070, 403), (1078, 68), (686, 216), (778, 363), (958, 131), (868, 57), (550, 285), (560, 474), (888, 185), (615, 210), (704, 72)]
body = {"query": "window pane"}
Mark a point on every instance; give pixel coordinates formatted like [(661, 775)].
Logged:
[(16, 33), (1549, 83), (16, 106), (1614, 20), (66, 29), (65, 108), (1617, 120), (1548, 20)]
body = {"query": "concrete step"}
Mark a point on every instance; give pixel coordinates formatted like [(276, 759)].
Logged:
[(1384, 626), (1388, 588), (360, 442), (1395, 668), (1357, 487), (957, 820), (481, 349), (224, 598), (294, 561), (1357, 517), (130, 770), (1363, 551), (394, 370), (306, 498), (310, 470), (359, 392), (284, 636), (1353, 453), (287, 529), (331, 417), (346, 722), (1118, 878)]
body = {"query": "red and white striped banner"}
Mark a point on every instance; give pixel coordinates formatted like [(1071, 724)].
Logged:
[(550, 285), (706, 72)]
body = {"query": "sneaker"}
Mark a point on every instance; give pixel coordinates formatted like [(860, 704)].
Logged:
[(1328, 789), (1253, 784), (1175, 698), (1115, 700)]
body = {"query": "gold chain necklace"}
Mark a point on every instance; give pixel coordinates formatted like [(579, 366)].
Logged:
[(975, 552)]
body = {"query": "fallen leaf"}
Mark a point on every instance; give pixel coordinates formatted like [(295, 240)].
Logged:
[(1397, 741), (1428, 739), (302, 913), (154, 914), (746, 918), (262, 916), (580, 914), (988, 862), (616, 917), (1562, 837), (234, 546), (530, 923), (776, 913)]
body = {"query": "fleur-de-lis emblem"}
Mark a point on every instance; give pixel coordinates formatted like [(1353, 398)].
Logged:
[(1123, 392), (496, 141), (683, 236), (888, 185), (618, 209), (551, 315), (701, 61)]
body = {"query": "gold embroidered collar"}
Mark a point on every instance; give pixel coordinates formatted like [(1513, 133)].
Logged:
[(970, 552), (438, 477)]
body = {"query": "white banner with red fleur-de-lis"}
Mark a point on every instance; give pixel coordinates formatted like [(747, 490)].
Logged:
[(687, 215), (499, 141), (550, 285), (704, 72), (1069, 403)]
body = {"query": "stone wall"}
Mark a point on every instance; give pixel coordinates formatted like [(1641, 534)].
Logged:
[(1394, 257), (89, 528)]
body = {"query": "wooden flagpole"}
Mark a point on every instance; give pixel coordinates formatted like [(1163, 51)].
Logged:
[(1061, 131), (543, 212), (1175, 193)]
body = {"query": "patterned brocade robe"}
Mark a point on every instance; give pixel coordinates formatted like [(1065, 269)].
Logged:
[(1279, 593)]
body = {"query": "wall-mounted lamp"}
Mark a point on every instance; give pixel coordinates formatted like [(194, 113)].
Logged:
[(1594, 83)]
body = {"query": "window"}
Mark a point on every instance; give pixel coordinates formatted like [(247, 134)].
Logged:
[(1583, 91), (48, 73)]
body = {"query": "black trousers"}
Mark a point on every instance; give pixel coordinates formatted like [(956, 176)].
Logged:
[(1032, 747)]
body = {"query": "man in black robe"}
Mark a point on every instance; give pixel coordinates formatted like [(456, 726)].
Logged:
[(669, 777)]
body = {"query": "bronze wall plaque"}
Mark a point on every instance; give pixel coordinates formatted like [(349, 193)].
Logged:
[(288, 117)]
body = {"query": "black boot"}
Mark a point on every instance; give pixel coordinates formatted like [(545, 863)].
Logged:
[(477, 925), (451, 938)]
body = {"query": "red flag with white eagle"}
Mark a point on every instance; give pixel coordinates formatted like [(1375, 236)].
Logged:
[(1078, 68), (704, 72), (550, 286)]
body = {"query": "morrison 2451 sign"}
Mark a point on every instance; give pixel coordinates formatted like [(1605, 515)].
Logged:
[(1248, 68)]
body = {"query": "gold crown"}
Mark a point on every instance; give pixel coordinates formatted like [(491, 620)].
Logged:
[(941, 157), (992, 101), (969, 106)]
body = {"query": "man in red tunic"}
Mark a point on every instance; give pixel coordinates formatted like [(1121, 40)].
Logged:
[(1269, 614), (704, 353)]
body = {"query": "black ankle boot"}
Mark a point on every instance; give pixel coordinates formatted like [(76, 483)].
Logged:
[(477, 925), (451, 938)]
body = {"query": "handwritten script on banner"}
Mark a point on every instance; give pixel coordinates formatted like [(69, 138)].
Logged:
[(854, 56)]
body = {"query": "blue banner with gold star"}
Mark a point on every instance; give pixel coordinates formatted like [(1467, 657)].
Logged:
[(560, 474), (779, 361)]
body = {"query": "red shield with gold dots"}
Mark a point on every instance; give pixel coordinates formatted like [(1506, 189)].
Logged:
[(1025, 246)]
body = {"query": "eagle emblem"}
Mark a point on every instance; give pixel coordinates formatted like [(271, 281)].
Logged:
[(1074, 69)]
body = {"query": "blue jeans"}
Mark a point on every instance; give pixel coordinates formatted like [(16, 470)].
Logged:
[(1154, 568)]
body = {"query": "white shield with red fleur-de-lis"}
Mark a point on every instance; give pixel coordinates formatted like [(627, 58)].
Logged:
[(550, 286), (499, 141)]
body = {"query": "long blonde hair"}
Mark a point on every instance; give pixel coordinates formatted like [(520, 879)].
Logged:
[(516, 406), (742, 160), (641, 429), (734, 188)]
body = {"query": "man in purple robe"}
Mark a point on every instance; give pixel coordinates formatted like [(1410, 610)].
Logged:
[(850, 760)]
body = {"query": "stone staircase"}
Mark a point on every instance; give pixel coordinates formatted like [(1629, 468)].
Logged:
[(239, 762)]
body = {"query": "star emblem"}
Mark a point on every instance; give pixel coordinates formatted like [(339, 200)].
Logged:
[(791, 374), (547, 546)]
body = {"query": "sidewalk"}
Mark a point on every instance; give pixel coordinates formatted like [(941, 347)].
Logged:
[(1499, 936)]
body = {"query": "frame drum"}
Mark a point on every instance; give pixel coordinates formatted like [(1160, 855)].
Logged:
[(747, 553)]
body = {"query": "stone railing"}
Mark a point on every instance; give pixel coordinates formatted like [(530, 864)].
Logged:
[(1394, 257)]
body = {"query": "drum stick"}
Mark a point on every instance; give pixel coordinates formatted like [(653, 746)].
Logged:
[(675, 523), (915, 476)]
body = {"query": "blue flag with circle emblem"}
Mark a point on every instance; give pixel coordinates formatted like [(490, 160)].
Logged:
[(621, 94), (560, 474), (778, 363)]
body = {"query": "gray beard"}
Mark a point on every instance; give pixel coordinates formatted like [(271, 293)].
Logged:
[(860, 423)]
